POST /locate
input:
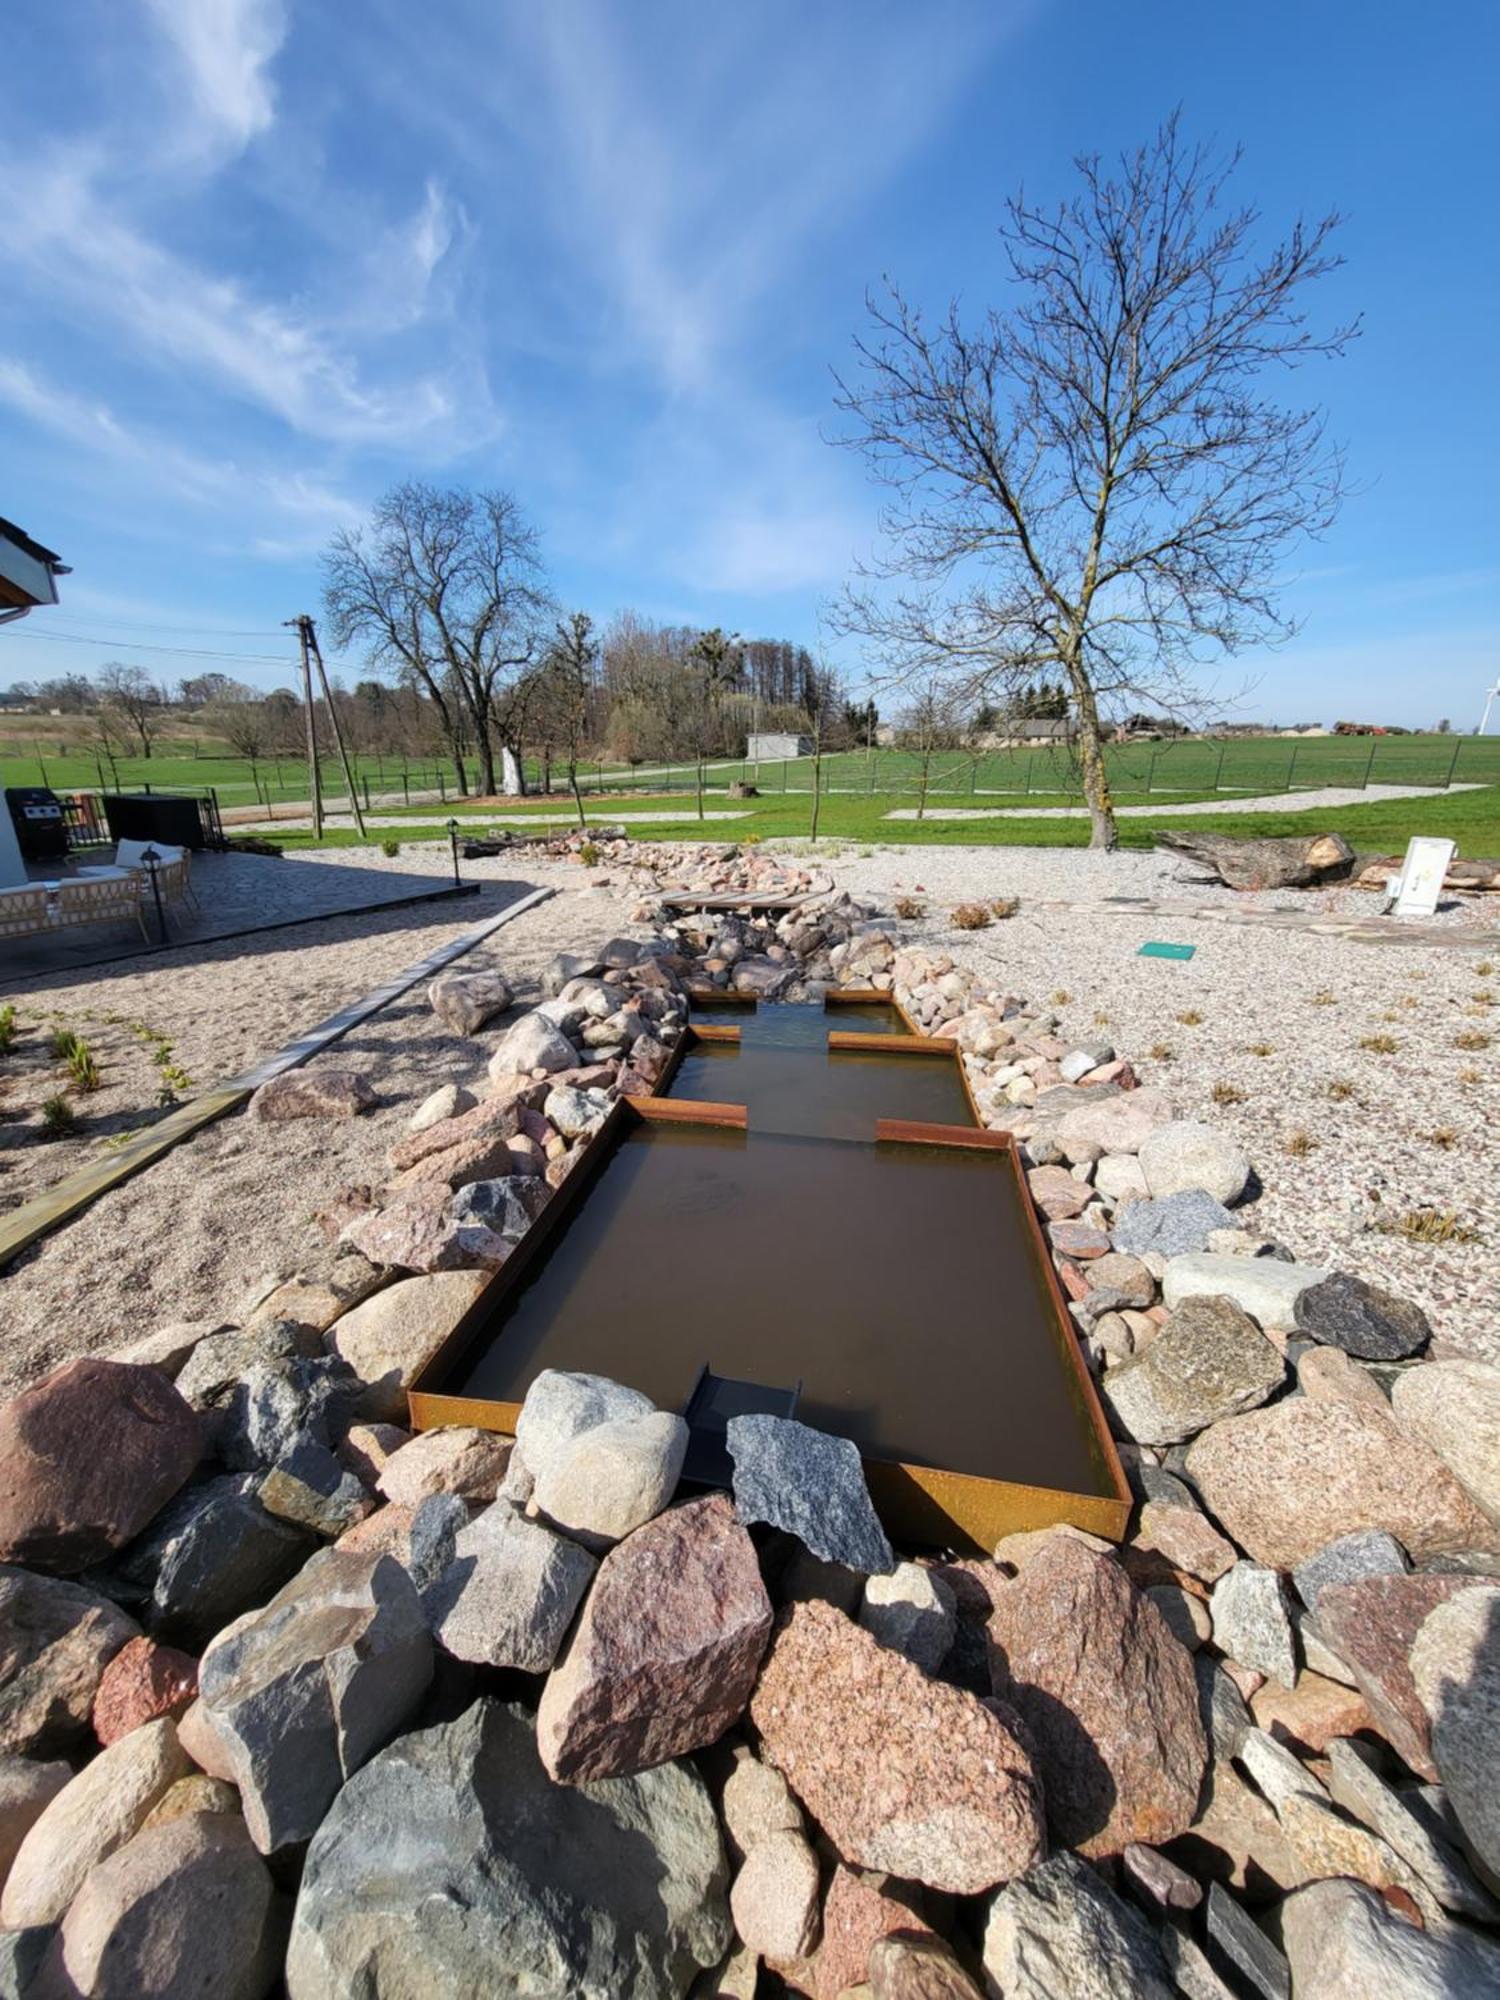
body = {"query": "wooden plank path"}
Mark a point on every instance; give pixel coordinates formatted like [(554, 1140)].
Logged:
[(23, 1226)]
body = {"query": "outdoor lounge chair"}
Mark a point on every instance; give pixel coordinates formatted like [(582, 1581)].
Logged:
[(111, 899), (173, 870), (23, 911)]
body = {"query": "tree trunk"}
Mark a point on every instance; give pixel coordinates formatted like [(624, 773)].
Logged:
[(573, 788), (1276, 862), (1103, 832), (817, 790), (486, 754)]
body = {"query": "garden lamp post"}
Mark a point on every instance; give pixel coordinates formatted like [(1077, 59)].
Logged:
[(453, 846), (149, 861)]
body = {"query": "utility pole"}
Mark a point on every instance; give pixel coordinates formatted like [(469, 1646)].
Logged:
[(310, 644), (304, 626)]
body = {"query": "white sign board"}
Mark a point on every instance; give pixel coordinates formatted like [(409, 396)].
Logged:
[(1420, 882)]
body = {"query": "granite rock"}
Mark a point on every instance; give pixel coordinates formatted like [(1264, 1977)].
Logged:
[(56, 1639), (464, 1001), (1093, 1123), (1371, 1625), (1060, 1930), (904, 1774), (1108, 1697), (1342, 1939), (1455, 1667), (507, 1206), (1366, 1552), (1172, 1225), (1209, 1361), (87, 1456), (560, 1405), (306, 1690), (509, 1592), (450, 1100), (143, 1682), (27, 1788), (1308, 1715), (1363, 1319), (586, 1892), (532, 1044), (1405, 1821), (665, 1651), (902, 1967), (312, 1093), (913, 1612), (612, 1478), (774, 1897), (389, 1339), (1253, 1621), (454, 1459), (1287, 1480), (1185, 1538), (757, 1802), (310, 1488), (1454, 1406), (184, 1909), (1188, 1155), (812, 1486), (1264, 1287)]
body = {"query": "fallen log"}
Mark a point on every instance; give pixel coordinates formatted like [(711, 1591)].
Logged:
[(1284, 862), (1373, 871)]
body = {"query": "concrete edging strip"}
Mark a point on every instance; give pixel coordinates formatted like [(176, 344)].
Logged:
[(23, 1226)]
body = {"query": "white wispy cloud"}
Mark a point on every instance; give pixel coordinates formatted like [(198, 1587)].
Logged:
[(224, 49)]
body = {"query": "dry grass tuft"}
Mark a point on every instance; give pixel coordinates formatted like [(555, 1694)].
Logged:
[(1444, 1138), (1427, 1225), (971, 917), (1160, 1052), (1227, 1093), (1341, 1090), (1260, 1049), (1379, 1045), (1471, 1038), (1300, 1144), (909, 908), (1191, 1019)]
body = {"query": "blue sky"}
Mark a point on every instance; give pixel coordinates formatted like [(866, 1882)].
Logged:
[(265, 257)]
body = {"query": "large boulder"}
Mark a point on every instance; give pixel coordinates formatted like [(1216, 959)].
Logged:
[(532, 1044), (561, 1405), (1365, 1320), (665, 1652), (508, 1595), (1264, 1287), (1371, 1624), (312, 1093), (389, 1339), (1342, 1939), (1455, 1667), (1186, 1154), (810, 1485), (416, 1230), (214, 1553), (1060, 1930), (606, 1891), (56, 1639), (452, 1459), (96, 1812), (613, 1477), (183, 1910), (507, 1205), (1287, 1480), (1107, 1695), (1454, 1406), (1173, 1226), (302, 1693), (464, 1001), (1209, 1361), (1098, 1124), (904, 1774), (87, 1456), (27, 1788)]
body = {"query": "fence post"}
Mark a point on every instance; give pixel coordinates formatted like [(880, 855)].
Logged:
[(442, 788), (1219, 767), (783, 774), (1151, 774), (1453, 763), (1364, 783), (1291, 767), (366, 784), (405, 784)]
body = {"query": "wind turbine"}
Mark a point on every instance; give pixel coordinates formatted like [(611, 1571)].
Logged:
[(1489, 697)]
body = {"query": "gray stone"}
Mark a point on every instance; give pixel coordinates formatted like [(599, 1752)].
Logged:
[(1158, 1880), (220, 1361), (1077, 1063), (312, 1093), (913, 1612), (509, 1594), (56, 1639), (435, 1528), (308, 1487), (533, 1043), (507, 1206), (215, 1553), (561, 1405), (1187, 1154), (1226, 1715), (1363, 1319), (1209, 1361), (612, 1478), (621, 952), (1455, 1664), (575, 1112), (464, 1001), (1195, 1978), (610, 1890), (810, 1484), (450, 1101), (1367, 1552), (1264, 1287), (21, 1955), (302, 1693), (1253, 1621), (1454, 1406), (1173, 1226), (275, 1405), (27, 1788), (1408, 1825), (389, 1339), (1059, 1932), (1238, 1940), (565, 968), (1343, 1940)]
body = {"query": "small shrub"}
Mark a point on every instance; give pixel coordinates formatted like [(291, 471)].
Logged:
[(755, 839), (1159, 1052), (1444, 1138), (1300, 1144), (7, 1028), (1471, 1038), (909, 908), (1325, 997), (58, 1117), (1470, 1076), (62, 1043), (1483, 998), (1191, 1019), (1061, 997), (1427, 1225), (971, 917), (82, 1067), (390, 848), (1341, 1090), (1379, 1045), (1261, 1049), (1005, 906), (588, 854), (1227, 1093), (1484, 968), (1101, 1020)]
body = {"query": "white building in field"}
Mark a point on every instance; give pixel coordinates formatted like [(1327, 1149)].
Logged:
[(776, 748)]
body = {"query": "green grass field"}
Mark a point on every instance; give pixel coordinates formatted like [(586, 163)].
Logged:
[(276, 779)]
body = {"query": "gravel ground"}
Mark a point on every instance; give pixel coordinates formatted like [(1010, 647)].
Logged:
[(1415, 1127), (1272, 802), (186, 1237)]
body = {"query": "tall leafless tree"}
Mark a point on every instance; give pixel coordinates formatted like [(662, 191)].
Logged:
[(1095, 478), (131, 694), (446, 587), (569, 679)]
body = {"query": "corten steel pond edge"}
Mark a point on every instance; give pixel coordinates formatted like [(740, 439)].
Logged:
[(921, 1503)]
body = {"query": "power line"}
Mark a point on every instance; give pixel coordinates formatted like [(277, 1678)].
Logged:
[(153, 625), (139, 646)]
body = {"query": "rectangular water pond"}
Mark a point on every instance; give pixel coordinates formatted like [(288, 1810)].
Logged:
[(902, 1281)]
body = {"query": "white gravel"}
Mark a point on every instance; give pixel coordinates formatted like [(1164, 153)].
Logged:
[(1375, 1154)]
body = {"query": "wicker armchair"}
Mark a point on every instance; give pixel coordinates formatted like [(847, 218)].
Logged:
[(23, 912), (108, 901)]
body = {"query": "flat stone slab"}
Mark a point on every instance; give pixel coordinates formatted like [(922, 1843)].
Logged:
[(812, 1486)]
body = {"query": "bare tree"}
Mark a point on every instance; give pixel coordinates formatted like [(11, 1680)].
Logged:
[(715, 660), (1093, 479), (132, 695), (246, 722), (569, 683), (446, 587), (931, 723)]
